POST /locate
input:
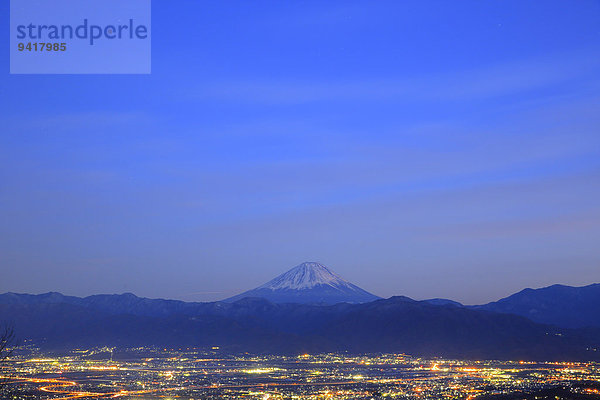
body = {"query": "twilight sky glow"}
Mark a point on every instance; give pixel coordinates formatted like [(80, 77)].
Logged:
[(419, 148)]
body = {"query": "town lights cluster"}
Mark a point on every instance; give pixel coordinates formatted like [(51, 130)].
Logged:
[(149, 373)]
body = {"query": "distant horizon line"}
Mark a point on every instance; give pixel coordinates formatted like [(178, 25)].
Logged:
[(220, 301)]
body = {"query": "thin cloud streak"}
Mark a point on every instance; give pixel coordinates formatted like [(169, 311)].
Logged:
[(491, 82)]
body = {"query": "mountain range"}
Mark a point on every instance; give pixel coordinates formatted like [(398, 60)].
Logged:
[(398, 324), (554, 323), (566, 306)]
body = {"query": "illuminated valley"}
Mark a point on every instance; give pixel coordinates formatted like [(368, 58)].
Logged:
[(150, 373)]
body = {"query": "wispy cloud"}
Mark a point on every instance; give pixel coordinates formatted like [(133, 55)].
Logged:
[(78, 121), (487, 82)]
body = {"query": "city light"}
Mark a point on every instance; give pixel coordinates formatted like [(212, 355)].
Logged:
[(205, 374)]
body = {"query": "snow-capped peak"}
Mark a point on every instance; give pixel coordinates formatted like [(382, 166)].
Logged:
[(309, 283), (305, 276)]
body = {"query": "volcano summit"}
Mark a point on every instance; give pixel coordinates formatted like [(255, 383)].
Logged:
[(309, 282)]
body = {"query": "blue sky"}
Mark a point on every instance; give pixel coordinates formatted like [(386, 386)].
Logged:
[(418, 148)]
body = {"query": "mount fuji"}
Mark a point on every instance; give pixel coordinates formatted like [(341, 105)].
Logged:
[(309, 283)]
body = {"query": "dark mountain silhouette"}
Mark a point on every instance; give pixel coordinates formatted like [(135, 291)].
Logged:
[(560, 305), (442, 302), (398, 324), (126, 303)]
